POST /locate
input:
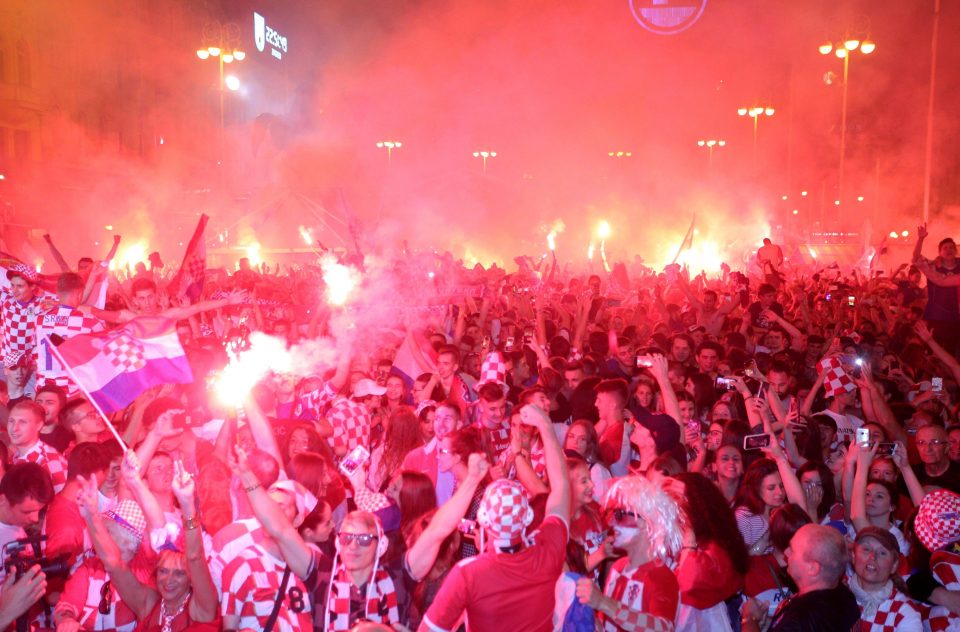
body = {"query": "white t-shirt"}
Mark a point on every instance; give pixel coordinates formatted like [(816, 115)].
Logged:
[(846, 425)]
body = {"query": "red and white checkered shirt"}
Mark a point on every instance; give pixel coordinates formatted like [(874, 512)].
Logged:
[(649, 594), (17, 320), (896, 614), (66, 322), (83, 594), (316, 401), (351, 424), (945, 566), (250, 584), (49, 459), (229, 541)]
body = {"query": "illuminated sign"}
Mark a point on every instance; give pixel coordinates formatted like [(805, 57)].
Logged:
[(667, 17), (264, 35)]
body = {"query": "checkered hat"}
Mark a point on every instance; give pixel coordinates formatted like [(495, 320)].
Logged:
[(938, 519), (128, 515), (12, 358), (494, 369), (304, 500), (27, 272), (505, 512), (835, 380)]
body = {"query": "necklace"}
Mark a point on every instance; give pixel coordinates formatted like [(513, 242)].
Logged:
[(167, 620)]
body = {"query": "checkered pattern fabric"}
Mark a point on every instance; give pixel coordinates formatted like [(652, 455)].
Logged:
[(493, 369), (47, 458), (897, 613), (370, 501), (302, 498), (125, 353), (575, 355), (938, 519), (85, 590), (537, 460), (229, 541), (945, 566), (30, 274), (18, 324), (12, 358), (505, 511), (836, 379), (318, 400), (250, 584), (66, 322), (648, 598), (128, 515), (351, 424), (381, 601), (497, 439)]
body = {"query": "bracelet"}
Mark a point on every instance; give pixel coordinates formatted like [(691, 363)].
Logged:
[(191, 523), (252, 487)]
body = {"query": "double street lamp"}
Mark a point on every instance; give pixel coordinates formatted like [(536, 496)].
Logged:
[(485, 155), (755, 112), (710, 145)]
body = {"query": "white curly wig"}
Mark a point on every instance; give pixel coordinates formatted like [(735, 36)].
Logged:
[(655, 506)]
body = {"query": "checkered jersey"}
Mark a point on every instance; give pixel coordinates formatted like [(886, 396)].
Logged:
[(65, 322), (896, 614), (351, 424), (497, 439), (537, 460), (250, 584), (649, 597), (49, 459), (85, 590), (17, 324), (229, 541), (317, 401), (945, 566)]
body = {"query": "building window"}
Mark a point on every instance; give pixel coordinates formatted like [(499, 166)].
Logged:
[(23, 64)]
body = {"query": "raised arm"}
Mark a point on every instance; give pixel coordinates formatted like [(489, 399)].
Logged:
[(205, 602), (64, 266), (295, 550), (858, 496), (927, 336), (659, 367), (130, 470), (558, 501), (260, 429), (422, 555)]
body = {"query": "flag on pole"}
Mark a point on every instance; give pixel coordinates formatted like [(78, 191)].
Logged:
[(115, 366), (414, 357), (189, 279), (687, 242)]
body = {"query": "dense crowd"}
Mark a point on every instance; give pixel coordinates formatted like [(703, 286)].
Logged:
[(775, 447)]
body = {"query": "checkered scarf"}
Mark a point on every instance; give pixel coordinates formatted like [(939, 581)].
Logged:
[(835, 379), (381, 600), (869, 601)]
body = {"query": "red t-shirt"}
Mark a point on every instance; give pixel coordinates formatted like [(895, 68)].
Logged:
[(504, 592), (610, 443), (707, 577), (650, 589)]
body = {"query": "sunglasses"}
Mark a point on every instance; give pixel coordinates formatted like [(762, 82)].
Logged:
[(620, 514), (362, 539)]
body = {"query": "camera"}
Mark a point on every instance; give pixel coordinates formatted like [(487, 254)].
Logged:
[(725, 383), (25, 553)]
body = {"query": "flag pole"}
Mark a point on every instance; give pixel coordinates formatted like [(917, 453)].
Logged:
[(56, 352), (686, 238)]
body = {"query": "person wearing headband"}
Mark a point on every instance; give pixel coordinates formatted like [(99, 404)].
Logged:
[(510, 585)]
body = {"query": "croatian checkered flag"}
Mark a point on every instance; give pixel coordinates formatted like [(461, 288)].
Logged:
[(189, 279)]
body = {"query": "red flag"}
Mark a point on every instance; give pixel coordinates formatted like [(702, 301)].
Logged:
[(189, 279)]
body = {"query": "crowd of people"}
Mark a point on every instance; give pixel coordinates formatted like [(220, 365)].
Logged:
[(775, 448)]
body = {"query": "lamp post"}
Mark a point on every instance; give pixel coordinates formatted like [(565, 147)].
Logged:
[(389, 145), (843, 50), (484, 155), (755, 112), (711, 144), (224, 45)]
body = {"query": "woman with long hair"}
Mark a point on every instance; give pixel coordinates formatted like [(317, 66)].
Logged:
[(582, 440), (586, 523), (713, 559), (873, 502), (303, 437), (817, 482), (455, 451), (767, 579), (767, 484), (403, 435), (316, 472)]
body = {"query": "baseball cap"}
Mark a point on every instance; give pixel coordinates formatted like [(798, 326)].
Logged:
[(366, 387), (884, 537)]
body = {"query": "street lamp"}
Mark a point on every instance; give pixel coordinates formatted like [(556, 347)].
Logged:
[(711, 145), (620, 154), (225, 46), (843, 50), (484, 155), (755, 112), (389, 145)]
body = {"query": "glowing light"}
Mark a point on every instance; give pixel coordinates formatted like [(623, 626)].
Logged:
[(109, 227), (247, 368), (239, 55), (213, 50), (769, 111), (825, 49), (430, 275), (803, 193), (340, 279), (851, 44), (840, 52), (253, 254), (742, 111), (893, 234), (905, 233), (783, 197), (130, 256), (306, 236), (813, 253), (836, 202), (203, 53), (859, 198), (227, 58), (796, 211), (703, 256), (603, 229), (232, 82), (868, 47), (555, 229), (590, 252), (38, 264)]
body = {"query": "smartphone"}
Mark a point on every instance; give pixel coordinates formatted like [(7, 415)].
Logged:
[(509, 344), (755, 442), (644, 362), (182, 420), (761, 392), (725, 383), (851, 301), (357, 457), (936, 384), (467, 527), (828, 297), (886, 449), (863, 437), (527, 339)]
